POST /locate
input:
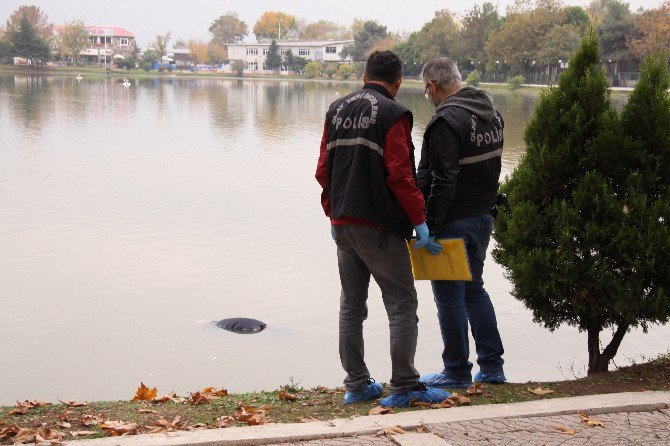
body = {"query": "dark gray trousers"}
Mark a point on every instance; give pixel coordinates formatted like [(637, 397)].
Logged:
[(361, 252)]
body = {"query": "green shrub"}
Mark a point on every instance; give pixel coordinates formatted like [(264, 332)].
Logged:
[(474, 78), (344, 71), (313, 69), (565, 237), (330, 70), (515, 82)]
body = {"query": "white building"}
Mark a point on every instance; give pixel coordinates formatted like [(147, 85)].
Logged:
[(254, 54)]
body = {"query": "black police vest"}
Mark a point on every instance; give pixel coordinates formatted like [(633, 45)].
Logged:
[(480, 161), (357, 129)]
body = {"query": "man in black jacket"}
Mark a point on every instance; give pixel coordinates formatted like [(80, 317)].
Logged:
[(458, 176), (366, 170)]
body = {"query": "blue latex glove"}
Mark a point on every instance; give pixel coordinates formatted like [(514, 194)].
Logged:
[(421, 235), (433, 247), (424, 239)]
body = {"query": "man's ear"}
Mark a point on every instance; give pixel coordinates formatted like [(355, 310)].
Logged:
[(398, 83), (365, 78)]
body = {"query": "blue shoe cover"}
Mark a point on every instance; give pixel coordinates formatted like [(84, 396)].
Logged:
[(441, 381), (420, 394), (371, 391), (490, 377)]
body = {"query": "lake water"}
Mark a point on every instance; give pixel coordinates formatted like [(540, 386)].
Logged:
[(131, 218)]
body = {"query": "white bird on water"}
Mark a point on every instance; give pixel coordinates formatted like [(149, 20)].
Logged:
[(79, 77), (126, 82)]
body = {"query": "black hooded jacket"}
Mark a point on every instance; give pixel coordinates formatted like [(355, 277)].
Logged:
[(461, 158)]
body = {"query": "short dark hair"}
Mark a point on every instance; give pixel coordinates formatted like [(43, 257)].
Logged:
[(383, 66)]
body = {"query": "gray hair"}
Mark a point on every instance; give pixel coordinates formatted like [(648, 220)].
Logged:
[(443, 71)]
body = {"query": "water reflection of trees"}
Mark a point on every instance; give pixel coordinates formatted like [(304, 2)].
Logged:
[(30, 98)]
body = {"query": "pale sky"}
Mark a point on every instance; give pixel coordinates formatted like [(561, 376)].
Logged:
[(192, 18)]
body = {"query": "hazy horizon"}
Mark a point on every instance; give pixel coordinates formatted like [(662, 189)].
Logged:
[(191, 19)]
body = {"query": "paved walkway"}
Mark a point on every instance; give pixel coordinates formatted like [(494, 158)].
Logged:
[(636, 418), (622, 428)]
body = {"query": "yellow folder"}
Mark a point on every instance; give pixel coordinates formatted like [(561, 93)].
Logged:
[(451, 264)]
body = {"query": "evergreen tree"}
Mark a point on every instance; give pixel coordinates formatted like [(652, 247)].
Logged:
[(560, 239), (273, 58), (27, 43)]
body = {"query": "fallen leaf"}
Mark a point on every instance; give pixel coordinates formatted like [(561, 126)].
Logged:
[(446, 404), (116, 428), (252, 416), (391, 430), (146, 411), (144, 393), (590, 421), (199, 398), (625, 209), (65, 415), (8, 431), (171, 397), (421, 430), (73, 403), (20, 410), (458, 400), (199, 426), (163, 425), (213, 391), (225, 421), (82, 433), (565, 429), (379, 410), (287, 396), (46, 434), (309, 420), (64, 424), (540, 391), (475, 389), (25, 435), (90, 420)]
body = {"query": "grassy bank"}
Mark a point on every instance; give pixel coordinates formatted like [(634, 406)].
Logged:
[(291, 404)]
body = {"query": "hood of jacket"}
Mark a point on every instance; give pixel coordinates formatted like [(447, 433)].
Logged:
[(478, 102)]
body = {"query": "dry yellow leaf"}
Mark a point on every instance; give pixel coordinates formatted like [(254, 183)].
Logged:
[(379, 410), (144, 393), (44, 434), (458, 400), (309, 420), (540, 391), (590, 421), (64, 424), (90, 420), (391, 430), (565, 429), (73, 403), (287, 396), (475, 389), (25, 435), (225, 421), (115, 428)]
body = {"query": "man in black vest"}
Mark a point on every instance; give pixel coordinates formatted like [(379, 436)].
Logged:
[(458, 175), (366, 169)]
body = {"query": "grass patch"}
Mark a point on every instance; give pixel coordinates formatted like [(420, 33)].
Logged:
[(322, 403)]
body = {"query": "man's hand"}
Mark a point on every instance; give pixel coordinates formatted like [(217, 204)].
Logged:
[(423, 239)]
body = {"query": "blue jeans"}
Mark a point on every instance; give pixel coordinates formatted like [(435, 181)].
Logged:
[(460, 302)]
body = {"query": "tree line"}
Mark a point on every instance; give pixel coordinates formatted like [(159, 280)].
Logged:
[(534, 38)]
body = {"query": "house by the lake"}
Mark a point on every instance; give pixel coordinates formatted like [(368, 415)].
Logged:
[(254, 54), (106, 43)]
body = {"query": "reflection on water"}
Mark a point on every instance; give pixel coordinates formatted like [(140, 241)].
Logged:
[(131, 218)]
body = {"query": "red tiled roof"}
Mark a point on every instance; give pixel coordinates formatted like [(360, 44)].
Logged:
[(118, 31)]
